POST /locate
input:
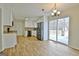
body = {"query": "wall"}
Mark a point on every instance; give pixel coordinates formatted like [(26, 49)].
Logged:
[(19, 26), (45, 27), (41, 19), (74, 28), (0, 31)]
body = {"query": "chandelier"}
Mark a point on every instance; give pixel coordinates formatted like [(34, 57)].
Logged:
[(55, 12)]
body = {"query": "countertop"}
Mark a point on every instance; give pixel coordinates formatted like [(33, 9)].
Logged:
[(10, 32)]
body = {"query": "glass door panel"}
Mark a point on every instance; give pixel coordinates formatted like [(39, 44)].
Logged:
[(63, 30), (52, 30)]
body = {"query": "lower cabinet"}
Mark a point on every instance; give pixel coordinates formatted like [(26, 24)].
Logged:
[(9, 40)]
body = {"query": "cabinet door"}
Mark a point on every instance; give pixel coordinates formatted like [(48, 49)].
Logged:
[(9, 40), (11, 18), (7, 16)]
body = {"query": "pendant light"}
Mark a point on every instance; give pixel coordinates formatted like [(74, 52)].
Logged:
[(55, 11)]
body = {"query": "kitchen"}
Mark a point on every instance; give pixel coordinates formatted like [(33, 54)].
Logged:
[(13, 28), (17, 27), (9, 36)]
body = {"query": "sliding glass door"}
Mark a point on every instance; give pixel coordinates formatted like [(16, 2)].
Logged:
[(59, 30), (52, 30), (63, 30)]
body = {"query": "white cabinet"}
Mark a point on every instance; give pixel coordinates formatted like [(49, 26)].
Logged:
[(9, 40), (34, 33), (7, 16)]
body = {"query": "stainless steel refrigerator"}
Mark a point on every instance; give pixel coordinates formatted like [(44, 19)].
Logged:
[(40, 30)]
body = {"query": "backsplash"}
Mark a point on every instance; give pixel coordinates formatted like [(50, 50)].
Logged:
[(6, 28)]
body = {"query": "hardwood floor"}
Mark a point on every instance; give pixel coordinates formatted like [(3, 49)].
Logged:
[(30, 46)]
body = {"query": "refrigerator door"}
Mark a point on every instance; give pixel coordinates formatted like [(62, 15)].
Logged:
[(40, 31)]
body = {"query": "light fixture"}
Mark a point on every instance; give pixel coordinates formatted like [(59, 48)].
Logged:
[(55, 12)]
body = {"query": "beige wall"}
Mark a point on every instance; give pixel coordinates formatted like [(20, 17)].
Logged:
[(74, 26)]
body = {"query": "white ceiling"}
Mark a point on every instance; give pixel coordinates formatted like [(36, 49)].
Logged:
[(22, 10)]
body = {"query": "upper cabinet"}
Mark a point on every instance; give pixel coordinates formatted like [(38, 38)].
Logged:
[(7, 16)]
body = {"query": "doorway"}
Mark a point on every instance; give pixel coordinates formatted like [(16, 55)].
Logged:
[(59, 30)]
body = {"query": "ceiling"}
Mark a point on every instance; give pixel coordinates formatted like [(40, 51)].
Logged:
[(22, 10)]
